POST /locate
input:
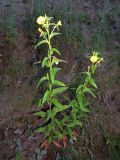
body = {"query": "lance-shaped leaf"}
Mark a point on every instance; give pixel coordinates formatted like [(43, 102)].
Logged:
[(56, 69), (92, 82), (37, 62), (53, 73), (40, 114), (46, 96), (41, 129), (40, 102), (45, 62), (41, 42), (58, 90), (56, 109), (45, 78), (56, 51), (82, 104), (57, 103), (75, 123), (49, 115), (59, 107), (54, 34), (89, 90), (49, 129), (58, 83)]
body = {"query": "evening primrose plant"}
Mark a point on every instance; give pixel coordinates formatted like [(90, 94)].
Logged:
[(61, 117)]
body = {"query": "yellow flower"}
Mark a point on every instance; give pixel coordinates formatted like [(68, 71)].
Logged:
[(59, 23), (41, 20), (94, 58), (55, 60), (41, 31)]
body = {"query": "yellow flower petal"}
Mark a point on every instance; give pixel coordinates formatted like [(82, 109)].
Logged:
[(59, 23), (94, 59), (41, 20)]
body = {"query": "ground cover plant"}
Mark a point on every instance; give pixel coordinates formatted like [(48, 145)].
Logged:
[(63, 115)]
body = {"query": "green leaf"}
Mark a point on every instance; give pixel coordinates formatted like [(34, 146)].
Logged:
[(46, 96), (73, 103), (37, 62), (54, 34), (58, 83), (56, 69), (58, 134), (60, 60), (59, 123), (40, 102), (58, 90), (58, 107), (56, 103), (56, 51), (40, 114), (93, 83), (49, 128), (41, 42), (42, 80), (49, 115), (79, 89), (75, 123), (41, 129), (82, 104), (89, 90), (84, 109), (45, 62), (53, 73), (70, 131)]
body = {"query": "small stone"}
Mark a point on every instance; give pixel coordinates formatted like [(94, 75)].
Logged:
[(6, 137), (58, 157), (31, 138), (19, 148), (37, 151), (43, 152), (7, 129), (39, 157), (18, 142), (71, 141), (18, 131)]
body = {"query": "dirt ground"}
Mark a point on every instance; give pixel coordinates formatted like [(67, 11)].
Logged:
[(16, 93)]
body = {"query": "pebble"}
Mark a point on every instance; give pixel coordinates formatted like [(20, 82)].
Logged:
[(19, 148), (39, 157), (43, 152), (6, 137), (18, 142), (37, 151), (31, 138), (18, 131), (71, 141), (58, 157)]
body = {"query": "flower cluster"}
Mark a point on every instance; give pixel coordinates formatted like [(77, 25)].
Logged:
[(95, 58), (43, 21)]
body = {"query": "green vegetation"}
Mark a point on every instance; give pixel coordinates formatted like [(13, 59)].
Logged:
[(72, 111), (69, 113)]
